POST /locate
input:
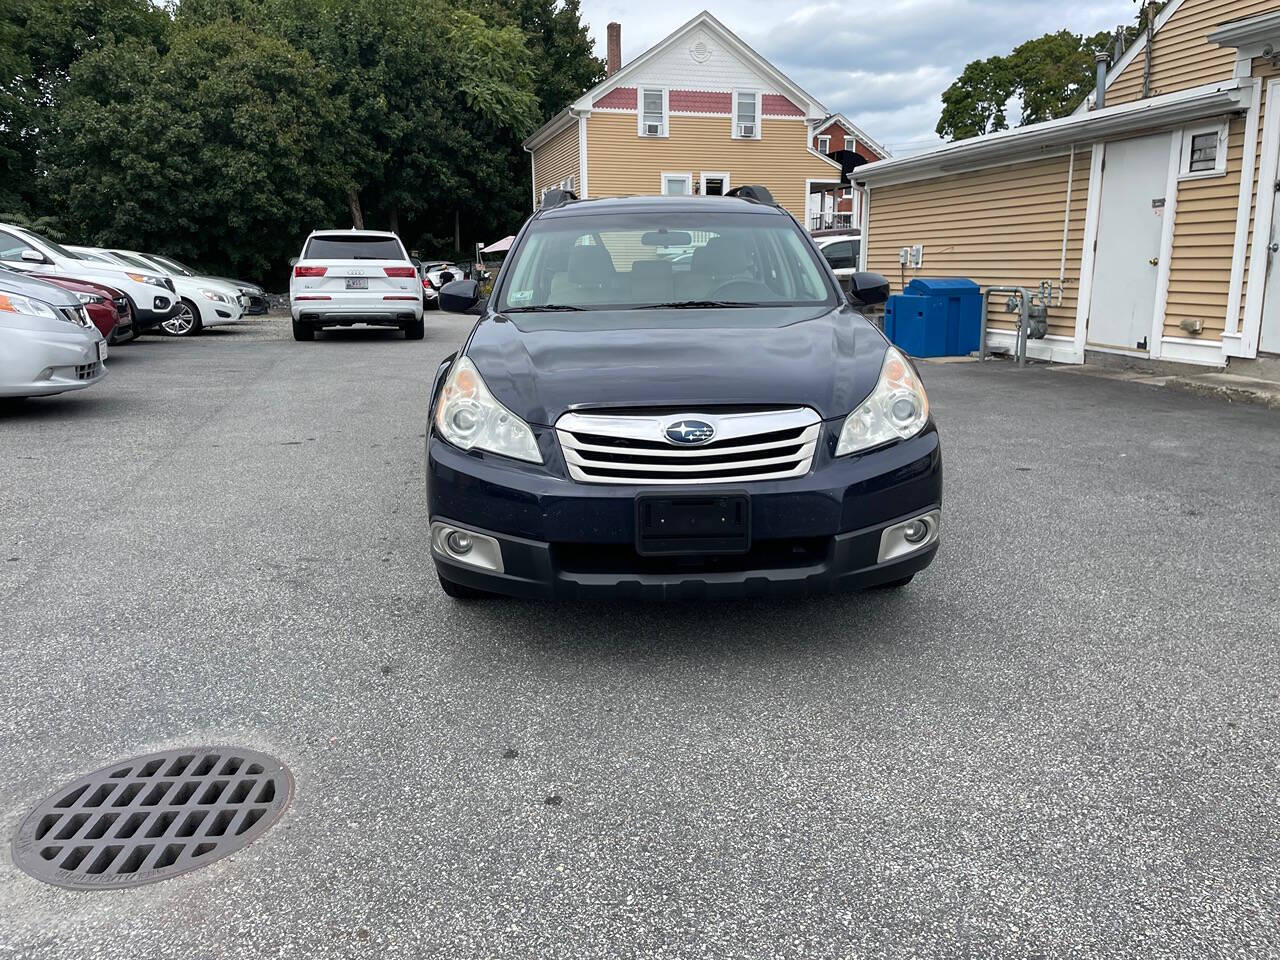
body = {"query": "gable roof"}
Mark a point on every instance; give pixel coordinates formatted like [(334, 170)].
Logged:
[(851, 127), (811, 106)]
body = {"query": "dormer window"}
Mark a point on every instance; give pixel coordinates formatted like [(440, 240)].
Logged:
[(746, 115), (653, 112), (824, 145)]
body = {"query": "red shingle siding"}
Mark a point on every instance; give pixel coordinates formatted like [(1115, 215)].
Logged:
[(700, 101), (776, 105), (619, 98)]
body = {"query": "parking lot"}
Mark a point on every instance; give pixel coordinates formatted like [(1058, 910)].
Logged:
[(1063, 739)]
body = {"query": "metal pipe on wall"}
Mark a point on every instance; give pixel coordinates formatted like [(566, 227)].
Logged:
[(1024, 322)]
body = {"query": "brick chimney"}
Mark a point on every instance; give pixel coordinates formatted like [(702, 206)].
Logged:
[(614, 59)]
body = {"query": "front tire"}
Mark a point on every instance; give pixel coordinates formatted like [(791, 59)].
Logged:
[(186, 323), (415, 329), (303, 331), (459, 591)]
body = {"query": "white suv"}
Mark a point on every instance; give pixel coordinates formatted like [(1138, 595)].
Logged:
[(345, 277)]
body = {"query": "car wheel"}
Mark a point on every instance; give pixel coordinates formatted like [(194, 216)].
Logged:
[(460, 591), (415, 329), (895, 584), (185, 323), (303, 331)]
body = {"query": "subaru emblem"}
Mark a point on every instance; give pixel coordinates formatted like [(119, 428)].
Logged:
[(690, 433)]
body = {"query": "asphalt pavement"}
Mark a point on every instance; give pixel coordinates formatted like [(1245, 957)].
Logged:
[(1062, 740)]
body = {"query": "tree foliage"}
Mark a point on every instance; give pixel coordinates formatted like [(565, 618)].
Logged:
[(1045, 78), (223, 130)]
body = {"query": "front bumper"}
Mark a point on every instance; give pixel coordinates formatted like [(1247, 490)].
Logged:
[(36, 363), (164, 305), (810, 535)]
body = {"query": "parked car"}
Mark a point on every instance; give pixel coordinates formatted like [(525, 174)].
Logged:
[(152, 296), (202, 302), (841, 251), (255, 298), (48, 344), (345, 277), (108, 307), (614, 427), (435, 274)]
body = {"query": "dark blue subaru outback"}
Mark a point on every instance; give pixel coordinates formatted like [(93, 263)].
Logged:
[(672, 397)]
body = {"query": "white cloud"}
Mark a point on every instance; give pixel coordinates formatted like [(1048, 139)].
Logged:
[(884, 63)]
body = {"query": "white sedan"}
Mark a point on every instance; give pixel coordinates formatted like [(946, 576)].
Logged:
[(48, 344)]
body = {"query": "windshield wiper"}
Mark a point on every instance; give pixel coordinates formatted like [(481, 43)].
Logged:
[(697, 305), (543, 308)]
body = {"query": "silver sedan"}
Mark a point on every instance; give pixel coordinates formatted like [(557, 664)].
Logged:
[(48, 344)]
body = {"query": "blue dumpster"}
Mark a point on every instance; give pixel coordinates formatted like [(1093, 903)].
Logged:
[(935, 317)]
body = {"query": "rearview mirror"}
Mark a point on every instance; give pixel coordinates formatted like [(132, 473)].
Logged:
[(32, 256), (460, 296), (868, 289), (667, 238)]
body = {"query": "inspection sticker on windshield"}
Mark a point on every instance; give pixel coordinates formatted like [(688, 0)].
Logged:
[(521, 296)]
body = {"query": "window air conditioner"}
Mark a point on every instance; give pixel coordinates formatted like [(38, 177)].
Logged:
[(747, 130), (653, 129)]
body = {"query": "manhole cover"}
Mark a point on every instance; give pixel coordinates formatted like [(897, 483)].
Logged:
[(153, 817)]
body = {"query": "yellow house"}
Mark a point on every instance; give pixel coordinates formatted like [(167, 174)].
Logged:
[(699, 112), (1149, 221)]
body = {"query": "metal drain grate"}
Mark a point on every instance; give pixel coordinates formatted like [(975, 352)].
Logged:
[(153, 817)]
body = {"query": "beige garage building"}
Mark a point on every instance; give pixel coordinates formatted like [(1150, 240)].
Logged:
[(1150, 222)]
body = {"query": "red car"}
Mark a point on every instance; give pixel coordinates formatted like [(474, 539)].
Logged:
[(108, 307)]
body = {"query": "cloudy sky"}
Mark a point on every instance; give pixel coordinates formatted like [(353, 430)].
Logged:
[(883, 63)]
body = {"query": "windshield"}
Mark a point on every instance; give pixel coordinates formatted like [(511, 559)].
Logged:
[(56, 248), (663, 260), (134, 261), (171, 264), (353, 246)]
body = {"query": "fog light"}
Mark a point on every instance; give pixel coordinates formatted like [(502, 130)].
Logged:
[(459, 542), (46, 374), (915, 532), (464, 547)]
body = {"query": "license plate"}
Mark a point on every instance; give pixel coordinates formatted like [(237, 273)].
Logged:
[(718, 523), (102, 350), (357, 283)]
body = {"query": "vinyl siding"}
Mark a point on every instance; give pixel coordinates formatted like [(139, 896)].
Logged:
[(620, 163), (555, 160), (1203, 246), (1181, 55), (998, 227)]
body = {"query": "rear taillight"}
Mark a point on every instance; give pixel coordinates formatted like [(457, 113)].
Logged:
[(400, 271), (309, 271), (427, 284)]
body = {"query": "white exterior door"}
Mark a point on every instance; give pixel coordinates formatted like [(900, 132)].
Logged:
[(1130, 226), (1269, 338)]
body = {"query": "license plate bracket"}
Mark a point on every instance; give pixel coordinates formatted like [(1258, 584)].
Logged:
[(103, 350), (357, 283), (718, 523)]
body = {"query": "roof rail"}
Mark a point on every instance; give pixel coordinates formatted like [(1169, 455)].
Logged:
[(556, 197), (753, 191)]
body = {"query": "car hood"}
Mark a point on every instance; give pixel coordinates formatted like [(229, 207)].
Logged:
[(41, 290), (542, 365)]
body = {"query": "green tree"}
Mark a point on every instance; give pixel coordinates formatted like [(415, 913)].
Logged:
[(220, 149), (1048, 78)]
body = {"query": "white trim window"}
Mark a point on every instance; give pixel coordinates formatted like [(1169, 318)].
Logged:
[(714, 183), (677, 184), (1204, 151), (651, 117), (746, 115), (824, 145)]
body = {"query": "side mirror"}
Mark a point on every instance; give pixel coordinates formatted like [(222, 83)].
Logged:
[(32, 256), (460, 296), (293, 261), (868, 289)]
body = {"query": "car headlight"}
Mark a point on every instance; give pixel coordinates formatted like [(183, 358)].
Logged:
[(469, 417), (896, 410), (90, 298), (143, 278), (15, 303), (213, 295)]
